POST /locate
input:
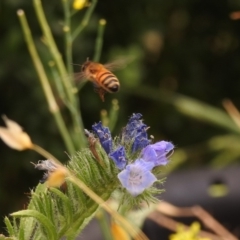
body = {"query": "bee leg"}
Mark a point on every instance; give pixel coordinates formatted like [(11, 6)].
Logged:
[(101, 92), (101, 95)]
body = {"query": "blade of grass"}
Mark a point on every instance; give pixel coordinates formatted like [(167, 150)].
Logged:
[(232, 111), (188, 106)]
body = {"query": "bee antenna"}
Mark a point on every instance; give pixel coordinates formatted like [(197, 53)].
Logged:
[(76, 64)]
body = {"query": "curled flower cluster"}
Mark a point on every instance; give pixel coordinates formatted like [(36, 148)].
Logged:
[(136, 174), (104, 136)]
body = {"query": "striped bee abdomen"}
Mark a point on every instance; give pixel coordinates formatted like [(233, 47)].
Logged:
[(109, 81)]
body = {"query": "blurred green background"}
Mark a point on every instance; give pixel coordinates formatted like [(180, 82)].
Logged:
[(180, 48)]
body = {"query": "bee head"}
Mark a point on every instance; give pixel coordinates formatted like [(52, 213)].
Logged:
[(85, 65)]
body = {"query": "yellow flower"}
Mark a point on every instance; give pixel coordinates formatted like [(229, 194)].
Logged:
[(190, 234), (57, 178), (14, 136), (79, 4)]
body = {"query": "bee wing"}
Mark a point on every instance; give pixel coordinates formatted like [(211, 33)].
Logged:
[(79, 77), (118, 63)]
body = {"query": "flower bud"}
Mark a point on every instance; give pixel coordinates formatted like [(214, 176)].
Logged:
[(14, 136)]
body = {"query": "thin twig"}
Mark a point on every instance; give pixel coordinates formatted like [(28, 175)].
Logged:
[(172, 225), (173, 211), (196, 211), (212, 223)]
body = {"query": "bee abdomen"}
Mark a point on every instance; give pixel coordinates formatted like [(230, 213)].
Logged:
[(109, 81)]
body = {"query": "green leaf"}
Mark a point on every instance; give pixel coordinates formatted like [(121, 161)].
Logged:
[(50, 228), (68, 210), (9, 226), (21, 235), (48, 204)]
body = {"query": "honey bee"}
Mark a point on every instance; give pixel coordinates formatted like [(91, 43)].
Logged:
[(101, 76)]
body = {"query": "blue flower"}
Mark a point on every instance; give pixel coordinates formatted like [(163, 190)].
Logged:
[(104, 136), (137, 177), (133, 125), (141, 139), (157, 153), (136, 132), (119, 157)]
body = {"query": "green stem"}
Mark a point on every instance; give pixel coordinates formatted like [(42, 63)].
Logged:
[(85, 20), (76, 115), (58, 85), (45, 153), (52, 46), (68, 36), (53, 107), (99, 40), (102, 218), (113, 114)]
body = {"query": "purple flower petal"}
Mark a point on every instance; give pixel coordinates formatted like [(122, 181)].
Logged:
[(140, 142), (136, 132), (137, 177), (119, 157), (104, 136), (163, 147), (157, 153)]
